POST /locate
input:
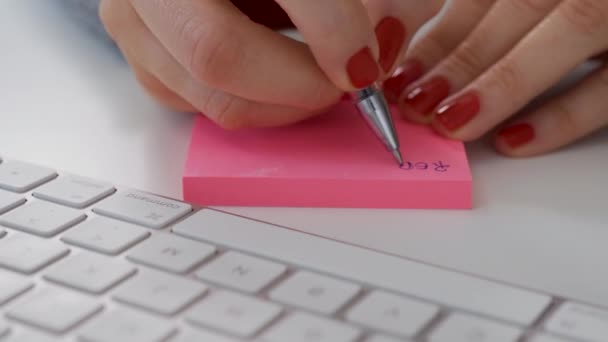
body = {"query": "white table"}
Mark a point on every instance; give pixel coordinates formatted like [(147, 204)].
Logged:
[(68, 102)]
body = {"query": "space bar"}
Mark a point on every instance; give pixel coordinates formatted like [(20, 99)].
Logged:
[(392, 273)]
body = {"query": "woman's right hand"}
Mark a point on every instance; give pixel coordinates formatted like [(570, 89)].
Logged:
[(207, 56)]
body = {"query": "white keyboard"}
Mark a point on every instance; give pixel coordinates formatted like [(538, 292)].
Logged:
[(82, 260)]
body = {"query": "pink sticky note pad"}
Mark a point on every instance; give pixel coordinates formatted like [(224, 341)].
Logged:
[(333, 160)]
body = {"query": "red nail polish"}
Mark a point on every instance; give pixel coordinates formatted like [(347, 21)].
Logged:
[(408, 73), (517, 135), (362, 69), (427, 96), (459, 112), (390, 33)]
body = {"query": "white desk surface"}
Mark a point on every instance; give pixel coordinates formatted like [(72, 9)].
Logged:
[(66, 101)]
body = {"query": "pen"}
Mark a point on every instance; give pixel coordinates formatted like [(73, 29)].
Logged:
[(374, 109)]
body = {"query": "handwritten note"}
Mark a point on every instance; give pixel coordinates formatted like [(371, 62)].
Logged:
[(330, 161), (437, 166)]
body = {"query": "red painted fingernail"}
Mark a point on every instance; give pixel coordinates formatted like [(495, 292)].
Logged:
[(459, 112), (390, 33), (517, 135), (362, 69), (428, 95), (408, 73)]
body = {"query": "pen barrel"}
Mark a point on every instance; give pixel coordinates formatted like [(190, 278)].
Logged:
[(376, 112)]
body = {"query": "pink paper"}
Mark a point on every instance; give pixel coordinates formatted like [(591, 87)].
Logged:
[(330, 161)]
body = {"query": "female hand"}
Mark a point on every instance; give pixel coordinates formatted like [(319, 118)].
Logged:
[(485, 60), (207, 56)]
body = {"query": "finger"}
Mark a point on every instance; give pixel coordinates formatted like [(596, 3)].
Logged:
[(159, 91), (220, 46), (569, 35), (153, 63), (483, 47), (342, 38), (119, 18), (564, 120), (395, 22), (456, 19)]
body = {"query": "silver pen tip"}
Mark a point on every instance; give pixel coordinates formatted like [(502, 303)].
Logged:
[(398, 157)]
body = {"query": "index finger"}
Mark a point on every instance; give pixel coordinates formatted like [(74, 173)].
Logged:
[(222, 48), (342, 38)]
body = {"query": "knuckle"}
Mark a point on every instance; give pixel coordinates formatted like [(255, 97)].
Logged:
[(565, 120), (435, 47), (466, 59), (508, 78), (586, 16), (212, 52), (225, 110)]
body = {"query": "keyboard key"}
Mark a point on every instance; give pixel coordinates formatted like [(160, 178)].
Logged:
[(465, 328), (392, 273), (241, 272), (9, 201), (28, 254), (546, 338), (89, 272), (233, 313), (104, 235), (21, 177), (74, 191), (315, 292), (579, 321), (12, 285), (159, 292), (42, 218), (300, 327), (191, 335), (171, 253), (53, 309), (392, 314), (126, 325), (382, 338), (30, 336), (142, 208)]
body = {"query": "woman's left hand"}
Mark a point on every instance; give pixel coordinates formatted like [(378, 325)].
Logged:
[(515, 51)]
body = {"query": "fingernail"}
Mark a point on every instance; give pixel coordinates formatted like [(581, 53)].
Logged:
[(408, 73), (427, 96), (362, 69), (459, 112), (390, 33), (517, 135)]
